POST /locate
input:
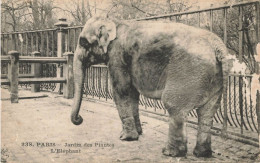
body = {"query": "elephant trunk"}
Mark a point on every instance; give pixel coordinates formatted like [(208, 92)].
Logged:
[(79, 76)]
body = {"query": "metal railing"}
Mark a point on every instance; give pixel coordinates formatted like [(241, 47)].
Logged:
[(54, 42), (241, 114)]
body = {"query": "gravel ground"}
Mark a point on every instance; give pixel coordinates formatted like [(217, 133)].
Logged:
[(39, 130)]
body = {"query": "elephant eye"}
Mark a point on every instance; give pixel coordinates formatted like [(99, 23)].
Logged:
[(83, 42)]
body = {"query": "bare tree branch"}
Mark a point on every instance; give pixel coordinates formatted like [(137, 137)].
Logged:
[(149, 14)]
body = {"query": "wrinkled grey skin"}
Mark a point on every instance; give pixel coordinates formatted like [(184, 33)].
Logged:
[(183, 66)]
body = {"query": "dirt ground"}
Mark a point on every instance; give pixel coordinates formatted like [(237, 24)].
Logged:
[(39, 130)]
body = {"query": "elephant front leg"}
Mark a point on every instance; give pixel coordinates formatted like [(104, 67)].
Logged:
[(124, 106), (137, 121), (178, 110), (177, 141), (135, 107)]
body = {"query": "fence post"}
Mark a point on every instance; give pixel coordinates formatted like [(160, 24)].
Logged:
[(13, 75), (36, 70), (240, 89), (107, 84), (257, 70), (68, 89), (240, 35), (61, 41)]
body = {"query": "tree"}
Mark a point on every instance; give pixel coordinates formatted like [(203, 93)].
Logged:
[(11, 14), (24, 15), (42, 13), (79, 10), (132, 9), (248, 30)]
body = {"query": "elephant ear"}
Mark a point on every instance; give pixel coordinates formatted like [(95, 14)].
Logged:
[(104, 31)]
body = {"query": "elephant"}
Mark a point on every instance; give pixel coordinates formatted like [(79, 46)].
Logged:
[(184, 66)]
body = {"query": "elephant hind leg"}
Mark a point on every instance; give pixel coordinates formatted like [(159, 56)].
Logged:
[(177, 139), (129, 132), (205, 122)]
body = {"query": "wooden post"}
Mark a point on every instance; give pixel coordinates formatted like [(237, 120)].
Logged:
[(13, 75), (13, 42), (2, 43), (68, 89), (61, 35), (36, 71)]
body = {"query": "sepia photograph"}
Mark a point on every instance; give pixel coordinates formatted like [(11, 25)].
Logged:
[(130, 81)]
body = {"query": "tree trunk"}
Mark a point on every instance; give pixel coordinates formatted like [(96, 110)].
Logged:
[(35, 13)]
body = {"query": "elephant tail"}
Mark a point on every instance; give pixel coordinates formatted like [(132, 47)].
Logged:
[(230, 65)]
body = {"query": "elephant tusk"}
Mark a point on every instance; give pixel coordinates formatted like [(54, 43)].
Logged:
[(105, 49)]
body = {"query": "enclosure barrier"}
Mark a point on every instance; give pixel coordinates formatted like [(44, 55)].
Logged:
[(240, 118), (54, 42), (14, 79)]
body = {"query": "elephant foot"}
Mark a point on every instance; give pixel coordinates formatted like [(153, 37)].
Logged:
[(76, 120), (129, 136), (202, 151), (129, 132), (174, 151)]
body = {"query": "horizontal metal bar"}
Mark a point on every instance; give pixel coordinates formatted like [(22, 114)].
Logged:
[(4, 76), (28, 59), (240, 75), (5, 58), (5, 82), (99, 66), (42, 30), (74, 27), (42, 59), (30, 31), (35, 80), (197, 11), (41, 80)]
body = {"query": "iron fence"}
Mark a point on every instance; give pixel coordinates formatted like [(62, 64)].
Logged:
[(241, 114)]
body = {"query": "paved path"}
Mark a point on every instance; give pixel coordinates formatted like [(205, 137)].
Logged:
[(35, 129)]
